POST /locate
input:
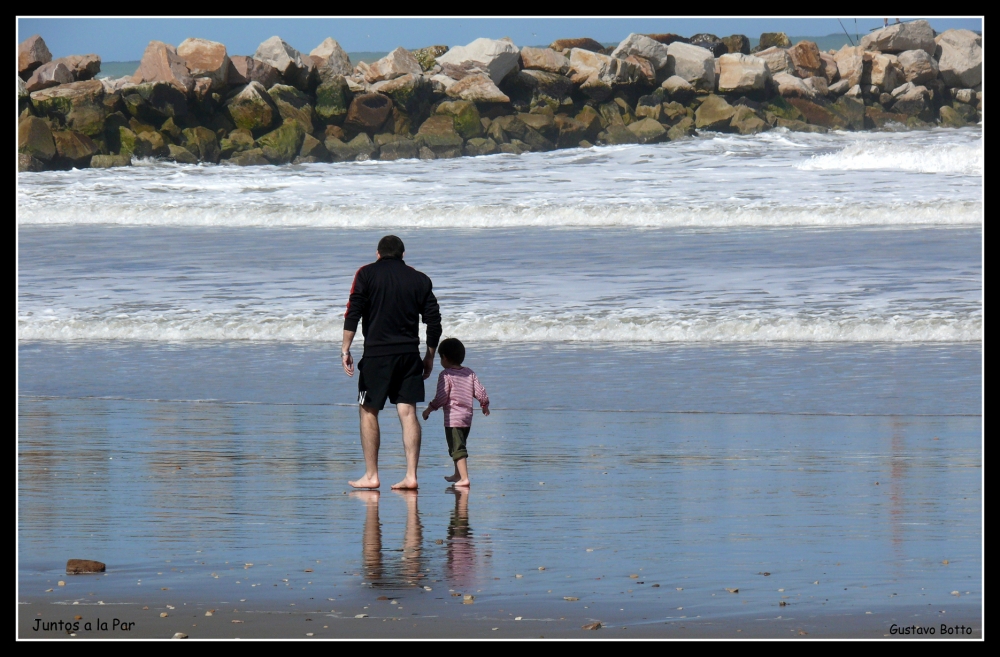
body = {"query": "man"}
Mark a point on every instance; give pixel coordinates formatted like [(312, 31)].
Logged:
[(388, 297)]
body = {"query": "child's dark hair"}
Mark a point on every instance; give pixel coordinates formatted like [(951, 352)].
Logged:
[(453, 350)]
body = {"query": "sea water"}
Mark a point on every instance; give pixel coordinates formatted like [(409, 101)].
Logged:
[(707, 359)]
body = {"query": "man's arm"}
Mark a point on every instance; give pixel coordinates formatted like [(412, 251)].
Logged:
[(431, 315), (356, 304), (345, 353)]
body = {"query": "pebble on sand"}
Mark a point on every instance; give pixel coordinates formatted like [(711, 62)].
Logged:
[(634, 576), (945, 562), (733, 590), (570, 598), (361, 616), (209, 613), (519, 576), (163, 614), (179, 635), (593, 626), (541, 568), (61, 583), (309, 633)]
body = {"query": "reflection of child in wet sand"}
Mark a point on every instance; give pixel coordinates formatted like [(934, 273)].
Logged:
[(457, 387), (461, 551)]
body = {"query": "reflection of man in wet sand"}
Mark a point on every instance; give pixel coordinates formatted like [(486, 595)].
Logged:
[(461, 550), (371, 541), (388, 298)]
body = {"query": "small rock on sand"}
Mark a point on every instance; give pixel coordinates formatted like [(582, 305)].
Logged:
[(519, 576), (179, 635), (634, 576), (361, 616), (61, 583), (209, 613), (570, 598), (733, 590), (592, 626), (163, 614)]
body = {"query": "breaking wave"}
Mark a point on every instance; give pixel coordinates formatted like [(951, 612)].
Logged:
[(963, 159)]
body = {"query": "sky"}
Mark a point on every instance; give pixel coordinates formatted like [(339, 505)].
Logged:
[(124, 39)]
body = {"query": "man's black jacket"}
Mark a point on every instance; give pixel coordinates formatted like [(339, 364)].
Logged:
[(389, 297)]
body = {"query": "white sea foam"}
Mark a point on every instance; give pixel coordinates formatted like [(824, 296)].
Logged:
[(624, 327), (965, 159), (935, 213)]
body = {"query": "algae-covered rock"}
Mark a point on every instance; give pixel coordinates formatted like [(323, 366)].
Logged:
[(152, 143), (129, 144), (368, 112), (544, 124), (682, 129), (571, 132), (771, 39), (746, 122), (359, 148), (333, 98), (817, 114), (312, 150), (427, 57), (292, 104), (237, 141), (438, 132), (252, 108), (281, 145), (648, 131), (737, 43), (481, 146), (34, 138), (78, 106), (155, 102), (203, 143), (781, 108), (181, 155), (247, 158), (399, 149), (852, 110), (410, 94), (618, 134), (950, 117), (878, 119), (714, 113), (465, 116), (108, 161)]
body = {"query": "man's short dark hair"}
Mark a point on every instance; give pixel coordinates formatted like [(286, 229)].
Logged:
[(391, 246), (453, 350)]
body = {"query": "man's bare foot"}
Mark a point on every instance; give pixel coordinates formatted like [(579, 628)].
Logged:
[(366, 482), (462, 483), (453, 478), (406, 484)]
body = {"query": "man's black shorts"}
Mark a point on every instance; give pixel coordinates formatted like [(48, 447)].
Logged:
[(399, 377)]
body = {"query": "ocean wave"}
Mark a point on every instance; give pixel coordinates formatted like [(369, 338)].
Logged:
[(626, 327), (930, 213), (965, 159)]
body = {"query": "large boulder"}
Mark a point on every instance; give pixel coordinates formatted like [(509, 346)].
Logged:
[(790, 86), (251, 157), (49, 75), (358, 149), (206, 59), (312, 150), (292, 104), (396, 64), (615, 135), (643, 46), (73, 149), (544, 59), (852, 65), (495, 57), (161, 63), (543, 124), (31, 53), (78, 106), (914, 35), (480, 146), (244, 70), (960, 58), (878, 119), (774, 39), (180, 155), (540, 88), (912, 100), (237, 141), (694, 64), (368, 112), (777, 60), (678, 89), (710, 42), (331, 60), (154, 102), (714, 113), (109, 161), (852, 110), (886, 73), (666, 38), (286, 59), (83, 67), (746, 122), (648, 131), (918, 66), (282, 144), (410, 93), (817, 114), (427, 57), (737, 43), (438, 133), (682, 129), (597, 74), (465, 116), (399, 148), (34, 138), (333, 98), (252, 108), (742, 73), (830, 70), (571, 132), (479, 88), (949, 117), (584, 43), (203, 143), (806, 59)]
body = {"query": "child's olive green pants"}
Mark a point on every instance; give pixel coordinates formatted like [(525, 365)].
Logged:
[(456, 441)]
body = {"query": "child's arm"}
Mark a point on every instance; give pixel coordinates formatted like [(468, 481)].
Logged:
[(440, 399), (479, 392)]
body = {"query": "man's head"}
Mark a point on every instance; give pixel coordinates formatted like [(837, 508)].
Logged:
[(390, 246)]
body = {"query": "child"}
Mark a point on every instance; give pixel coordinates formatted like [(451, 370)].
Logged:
[(456, 388)]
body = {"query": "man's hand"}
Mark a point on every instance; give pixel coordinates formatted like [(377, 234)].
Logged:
[(348, 362), (427, 413), (428, 364), (486, 410)]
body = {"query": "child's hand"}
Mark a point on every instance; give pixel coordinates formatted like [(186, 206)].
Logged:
[(427, 413), (486, 410)]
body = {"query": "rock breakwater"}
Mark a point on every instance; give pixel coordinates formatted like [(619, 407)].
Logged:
[(196, 103)]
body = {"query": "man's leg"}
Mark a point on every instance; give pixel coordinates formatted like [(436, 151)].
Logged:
[(411, 443), (370, 440)]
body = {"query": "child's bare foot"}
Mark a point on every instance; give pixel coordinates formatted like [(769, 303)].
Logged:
[(453, 478), (406, 484), (366, 482), (462, 483)]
